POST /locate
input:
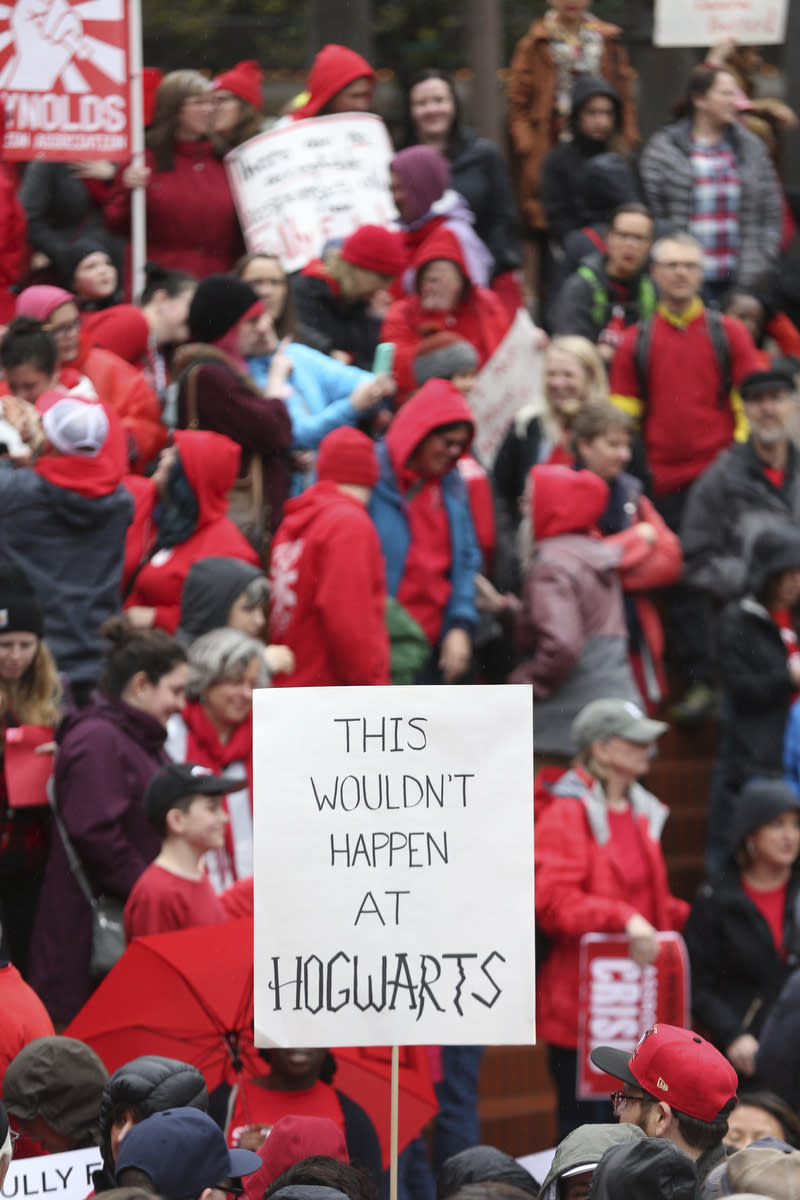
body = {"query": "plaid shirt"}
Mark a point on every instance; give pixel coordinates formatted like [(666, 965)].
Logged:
[(715, 208)]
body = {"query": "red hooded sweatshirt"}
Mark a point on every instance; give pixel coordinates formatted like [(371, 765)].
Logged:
[(211, 464), (332, 70), (426, 582), (566, 501), (479, 317), (97, 476), (329, 591)]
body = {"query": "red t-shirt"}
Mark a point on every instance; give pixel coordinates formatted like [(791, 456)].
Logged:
[(161, 901), (626, 836), (772, 906), (256, 1105)]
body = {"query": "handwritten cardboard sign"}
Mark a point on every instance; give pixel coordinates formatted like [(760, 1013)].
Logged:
[(65, 1176), (301, 185), (619, 1000), (510, 380), (704, 22), (64, 79), (394, 866)]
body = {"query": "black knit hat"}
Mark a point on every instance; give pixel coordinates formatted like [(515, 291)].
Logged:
[(19, 608), (773, 551), (73, 255), (219, 302), (760, 801)]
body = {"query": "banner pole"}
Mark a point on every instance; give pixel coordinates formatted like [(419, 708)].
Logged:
[(138, 211), (393, 1123)]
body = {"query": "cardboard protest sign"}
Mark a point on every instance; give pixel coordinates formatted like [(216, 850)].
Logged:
[(65, 1176), (619, 1000), (509, 381), (704, 22), (394, 866), (64, 79), (302, 185)]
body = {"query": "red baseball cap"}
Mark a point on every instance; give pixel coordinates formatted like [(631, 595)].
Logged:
[(677, 1066)]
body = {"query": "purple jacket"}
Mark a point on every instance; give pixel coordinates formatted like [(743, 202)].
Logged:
[(108, 754)]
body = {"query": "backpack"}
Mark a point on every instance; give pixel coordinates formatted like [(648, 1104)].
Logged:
[(601, 300), (719, 344)]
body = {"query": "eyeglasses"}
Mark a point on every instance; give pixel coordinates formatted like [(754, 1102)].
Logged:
[(679, 266), (624, 236), (620, 1099), (60, 330)]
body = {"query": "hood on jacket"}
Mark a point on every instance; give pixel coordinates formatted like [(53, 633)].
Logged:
[(299, 512), (148, 1085), (81, 509), (441, 245), (331, 71), (565, 501), (437, 403), (647, 1169), (211, 463), (774, 550), (90, 477), (483, 1164), (292, 1139), (584, 1147), (608, 182), (211, 587), (768, 1167), (585, 88)]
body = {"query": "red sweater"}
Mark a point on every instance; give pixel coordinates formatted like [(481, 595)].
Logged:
[(210, 462), (162, 901), (683, 422), (329, 591), (191, 220)]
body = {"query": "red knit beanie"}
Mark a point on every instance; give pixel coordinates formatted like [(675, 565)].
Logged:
[(244, 80), (376, 249), (347, 456)]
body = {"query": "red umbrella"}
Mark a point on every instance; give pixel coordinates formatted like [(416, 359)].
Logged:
[(186, 995), (189, 995)]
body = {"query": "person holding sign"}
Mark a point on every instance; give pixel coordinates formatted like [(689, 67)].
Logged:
[(599, 868), (339, 81), (421, 510)]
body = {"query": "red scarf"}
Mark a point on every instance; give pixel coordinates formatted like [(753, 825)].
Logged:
[(203, 746)]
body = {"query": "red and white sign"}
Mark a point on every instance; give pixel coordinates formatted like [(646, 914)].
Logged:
[(619, 1000), (705, 22), (64, 79)]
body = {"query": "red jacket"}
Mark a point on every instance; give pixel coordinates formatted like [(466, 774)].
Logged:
[(14, 249), (479, 318), (191, 219), (210, 462), (126, 390), (329, 591), (581, 887)]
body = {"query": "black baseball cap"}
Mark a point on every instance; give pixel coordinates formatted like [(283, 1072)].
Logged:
[(773, 380), (177, 780)]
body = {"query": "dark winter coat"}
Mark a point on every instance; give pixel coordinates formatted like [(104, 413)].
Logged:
[(337, 324), (728, 506), (778, 1059), (586, 301), (736, 971), (108, 753), (480, 175)]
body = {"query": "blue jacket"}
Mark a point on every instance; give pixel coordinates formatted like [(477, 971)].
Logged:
[(320, 396)]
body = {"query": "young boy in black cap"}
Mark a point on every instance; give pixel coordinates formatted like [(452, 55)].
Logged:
[(184, 805)]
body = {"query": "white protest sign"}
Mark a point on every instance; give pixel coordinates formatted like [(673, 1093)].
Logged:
[(64, 1176), (510, 380), (394, 866), (705, 22), (299, 186)]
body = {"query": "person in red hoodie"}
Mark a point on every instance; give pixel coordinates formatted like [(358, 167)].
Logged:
[(180, 518), (443, 298), (339, 81), (328, 583), (116, 382)]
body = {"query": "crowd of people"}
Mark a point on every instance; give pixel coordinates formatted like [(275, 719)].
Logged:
[(241, 478)]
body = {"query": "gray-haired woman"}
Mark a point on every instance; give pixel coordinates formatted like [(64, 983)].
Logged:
[(215, 730)]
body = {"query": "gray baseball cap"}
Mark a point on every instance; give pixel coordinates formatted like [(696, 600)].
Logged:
[(603, 719)]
